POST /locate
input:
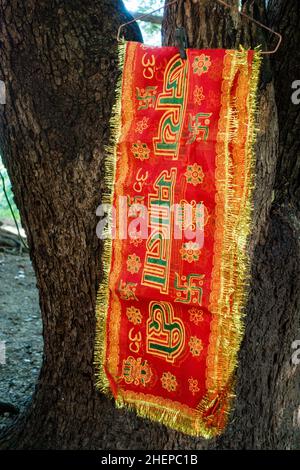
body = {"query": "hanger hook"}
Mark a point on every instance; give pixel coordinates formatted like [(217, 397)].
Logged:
[(226, 5)]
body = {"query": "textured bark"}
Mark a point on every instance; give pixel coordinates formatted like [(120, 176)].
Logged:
[(267, 403), (58, 62), (285, 18)]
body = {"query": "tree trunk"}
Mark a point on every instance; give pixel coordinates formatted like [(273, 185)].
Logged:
[(58, 63), (267, 405)]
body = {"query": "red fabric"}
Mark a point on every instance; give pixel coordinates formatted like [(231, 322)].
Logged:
[(159, 346)]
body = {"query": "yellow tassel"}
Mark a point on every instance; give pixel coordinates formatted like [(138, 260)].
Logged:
[(107, 198)]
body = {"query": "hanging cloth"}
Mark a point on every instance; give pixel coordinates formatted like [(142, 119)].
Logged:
[(179, 174)]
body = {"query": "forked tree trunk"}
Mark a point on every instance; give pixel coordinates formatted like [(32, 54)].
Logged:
[(58, 62)]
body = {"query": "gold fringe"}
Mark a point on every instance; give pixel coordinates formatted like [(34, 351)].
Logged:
[(228, 325), (102, 382), (172, 418)]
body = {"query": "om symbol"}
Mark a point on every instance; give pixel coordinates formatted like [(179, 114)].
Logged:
[(149, 66), (165, 332), (140, 181), (135, 340)]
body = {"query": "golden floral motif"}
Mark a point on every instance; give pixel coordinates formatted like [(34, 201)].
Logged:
[(127, 290), (140, 150), (194, 174), (198, 95), (193, 385), (190, 251), (133, 263), (201, 64), (135, 238), (142, 125), (134, 315), (196, 315), (169, 382), (195, 345)]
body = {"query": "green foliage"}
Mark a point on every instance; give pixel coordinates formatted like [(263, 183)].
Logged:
[(5, 212), (151, 32)]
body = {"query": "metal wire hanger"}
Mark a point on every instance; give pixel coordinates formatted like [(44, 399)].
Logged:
[(222, 3)]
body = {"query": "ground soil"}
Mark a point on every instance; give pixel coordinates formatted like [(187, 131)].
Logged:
[(20, 329)]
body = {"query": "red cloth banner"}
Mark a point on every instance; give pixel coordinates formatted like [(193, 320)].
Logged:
[(179, 178)]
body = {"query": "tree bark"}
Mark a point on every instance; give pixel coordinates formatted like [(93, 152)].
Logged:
[(58, 62), (266, 414)]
